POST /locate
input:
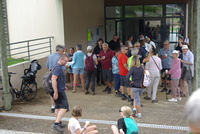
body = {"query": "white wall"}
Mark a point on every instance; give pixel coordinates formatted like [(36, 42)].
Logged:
[(31, 19)]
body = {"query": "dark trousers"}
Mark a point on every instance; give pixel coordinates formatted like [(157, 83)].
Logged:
[(99, 74), (90, 79)]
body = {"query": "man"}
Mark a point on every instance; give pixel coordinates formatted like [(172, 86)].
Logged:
[(105, 57), (191, 112), (123, 70), (51, 62), (114, 44), (166, 58), (59, 96), (187, 70)]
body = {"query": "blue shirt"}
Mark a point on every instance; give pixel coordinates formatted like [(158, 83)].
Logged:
[(58, 71), (78, 59), (53, 60), (166, 62), (115, 68), (189, 57)]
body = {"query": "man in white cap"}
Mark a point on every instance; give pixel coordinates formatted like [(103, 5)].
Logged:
[(191, 112), (187, 70)]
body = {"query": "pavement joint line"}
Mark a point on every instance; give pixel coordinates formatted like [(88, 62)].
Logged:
[(95, 121)]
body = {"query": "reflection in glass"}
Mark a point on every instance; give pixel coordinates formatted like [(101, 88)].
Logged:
[(114, 12), (174, 10), (134, 11), (153, 10)]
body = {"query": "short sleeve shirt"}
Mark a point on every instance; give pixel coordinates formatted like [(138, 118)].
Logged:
[(106, 63), (115, 68), (122, 59), (73, 125), (166, 62), (58, 71)]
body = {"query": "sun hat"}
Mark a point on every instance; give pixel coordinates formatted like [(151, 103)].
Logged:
[(184, 47), (175, 52)]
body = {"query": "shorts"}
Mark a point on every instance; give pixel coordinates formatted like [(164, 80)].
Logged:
[(186, 74), (107, 75), (70, 70), (123, 81), (61, 102), (78, 70), (164, 76)]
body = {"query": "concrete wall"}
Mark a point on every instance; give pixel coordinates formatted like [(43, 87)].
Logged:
[(79, 15), (31, 19), (19, 70)]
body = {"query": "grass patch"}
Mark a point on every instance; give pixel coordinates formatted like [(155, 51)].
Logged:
[(12, 61)]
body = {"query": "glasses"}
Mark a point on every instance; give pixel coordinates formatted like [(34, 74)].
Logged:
[(127, 49), (120, 110), (165, 44)]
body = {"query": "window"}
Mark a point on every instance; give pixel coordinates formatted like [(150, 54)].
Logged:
[(153, 11), (134, 11), (114, 12), (174, 10)]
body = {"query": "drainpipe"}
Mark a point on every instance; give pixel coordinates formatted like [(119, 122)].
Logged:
[(4, 67)]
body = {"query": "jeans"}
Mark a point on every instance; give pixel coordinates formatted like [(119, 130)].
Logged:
[(90, 79), (116, 81)]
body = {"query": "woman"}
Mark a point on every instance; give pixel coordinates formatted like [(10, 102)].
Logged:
[(136, 73), (90, 59), (154, 66), (97, 50), (70, 56)]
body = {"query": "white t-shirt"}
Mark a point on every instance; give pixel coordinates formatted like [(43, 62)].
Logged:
[(129, 44), (73, 125), (94, 58)]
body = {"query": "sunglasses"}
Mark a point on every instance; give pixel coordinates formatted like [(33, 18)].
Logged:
[(120, 110)]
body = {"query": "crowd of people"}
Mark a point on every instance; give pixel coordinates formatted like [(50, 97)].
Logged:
[(123, 65)]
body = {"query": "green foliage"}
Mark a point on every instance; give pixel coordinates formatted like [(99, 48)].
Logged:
[(12, 61)]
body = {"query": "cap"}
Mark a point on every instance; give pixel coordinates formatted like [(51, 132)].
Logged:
[(184, 47), (89, 48), (175, 52)]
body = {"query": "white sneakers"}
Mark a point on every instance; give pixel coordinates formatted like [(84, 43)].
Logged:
[(174, 100)]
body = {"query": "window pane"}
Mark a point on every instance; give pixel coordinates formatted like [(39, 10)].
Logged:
[(114, 12), (153, 10), (175, 10), (134, 11)]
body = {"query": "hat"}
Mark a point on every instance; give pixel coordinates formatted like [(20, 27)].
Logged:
[(89, 48), (184, 47), (175, 52)]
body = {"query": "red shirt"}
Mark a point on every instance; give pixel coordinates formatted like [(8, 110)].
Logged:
[(106, 63), (122, 59)]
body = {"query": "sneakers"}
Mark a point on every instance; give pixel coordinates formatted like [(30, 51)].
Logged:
[(62, 125), (86, 92), (169, 92), (154, 101), (52, 110), (57, 128), (179, 99), (106, 89), (172, 100), (109, 90), (139, 115), (147, 98), (164, 90), (124, 97), (129, 99)]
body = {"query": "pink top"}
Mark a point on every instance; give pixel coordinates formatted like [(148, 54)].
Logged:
[(151, 66), (175, 70)]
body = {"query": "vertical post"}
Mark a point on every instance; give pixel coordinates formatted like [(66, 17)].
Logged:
[(28, 50), (4, 67), (195, 38), (50, 44)]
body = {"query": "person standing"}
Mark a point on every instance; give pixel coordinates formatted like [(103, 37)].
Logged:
[(70, 71), (90, 61), (154, 66), (105, 57), (123, 70), (129, 42), (114, 44), (52, 60), (187, 70), (96, 51), (78, 67), (166, 58), (58, 94)]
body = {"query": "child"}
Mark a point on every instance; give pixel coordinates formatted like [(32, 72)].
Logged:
[(74, 125), (127, 124), (175, 72), (115, 71)]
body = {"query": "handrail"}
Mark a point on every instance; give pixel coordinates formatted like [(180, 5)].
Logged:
[(30, 49)]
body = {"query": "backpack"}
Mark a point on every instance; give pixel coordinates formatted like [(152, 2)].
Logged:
[(46, 81), (89, 63), (146, 79)]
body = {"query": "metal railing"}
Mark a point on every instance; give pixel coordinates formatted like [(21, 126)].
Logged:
[(29, 49)]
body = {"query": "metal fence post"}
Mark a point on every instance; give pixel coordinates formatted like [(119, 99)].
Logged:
[(28, 50)]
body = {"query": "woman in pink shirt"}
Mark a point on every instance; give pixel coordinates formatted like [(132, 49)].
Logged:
[(175, 72)]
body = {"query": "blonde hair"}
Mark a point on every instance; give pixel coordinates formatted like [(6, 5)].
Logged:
[(126, 111), (135, 62), (77, 111)]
